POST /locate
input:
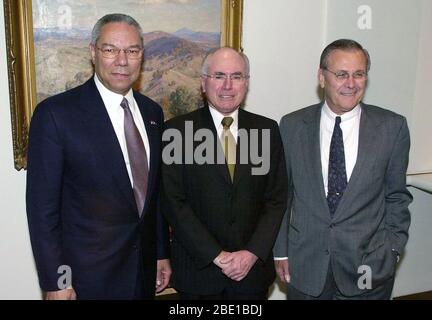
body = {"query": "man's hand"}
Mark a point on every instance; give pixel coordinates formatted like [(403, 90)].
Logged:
[(238, 264), (163, 274), (223, 255), (65, 294), (281, 267)]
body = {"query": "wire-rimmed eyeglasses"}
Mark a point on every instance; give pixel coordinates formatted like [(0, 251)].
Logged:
[(344, 75), (112, 52), (219, 76)]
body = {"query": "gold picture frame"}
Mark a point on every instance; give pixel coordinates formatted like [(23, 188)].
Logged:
[(21, 63)]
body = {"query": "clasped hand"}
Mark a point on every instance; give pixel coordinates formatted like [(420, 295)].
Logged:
[(236, 265)]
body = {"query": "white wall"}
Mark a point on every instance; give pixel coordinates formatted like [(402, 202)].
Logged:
[(17, 274), (421, 151), (283, 40), (415, 270)]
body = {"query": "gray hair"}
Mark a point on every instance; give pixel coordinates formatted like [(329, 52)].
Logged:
[(210, 53), (343, 44), (114, 18)]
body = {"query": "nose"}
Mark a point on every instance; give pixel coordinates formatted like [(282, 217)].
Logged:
[(122, 58), (350, 82), (227, 85)]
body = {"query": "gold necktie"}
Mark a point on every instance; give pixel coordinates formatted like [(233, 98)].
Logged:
[(228, 145)]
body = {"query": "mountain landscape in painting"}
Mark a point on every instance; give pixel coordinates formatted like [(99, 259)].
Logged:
[(171, 71)]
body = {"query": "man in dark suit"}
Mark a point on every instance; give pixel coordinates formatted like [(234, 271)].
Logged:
[(92, 179), (225, 212), (347, 218)]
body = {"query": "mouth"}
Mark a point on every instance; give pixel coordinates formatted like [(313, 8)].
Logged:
[(348, 94), (226, 97), (120, 75)]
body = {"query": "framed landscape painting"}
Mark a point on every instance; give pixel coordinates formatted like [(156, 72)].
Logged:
[(48, 53)]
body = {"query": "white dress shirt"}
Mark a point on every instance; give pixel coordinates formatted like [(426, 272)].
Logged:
[(350, 125), (112, 102), (217, 119)]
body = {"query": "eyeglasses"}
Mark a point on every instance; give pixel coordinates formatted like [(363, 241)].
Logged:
[(113, 52), (221, 77), (343, 75)]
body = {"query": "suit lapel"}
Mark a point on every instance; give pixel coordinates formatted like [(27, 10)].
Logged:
[(312, 153), (244, 169), (105, 143), (368, 144), (153, 135)]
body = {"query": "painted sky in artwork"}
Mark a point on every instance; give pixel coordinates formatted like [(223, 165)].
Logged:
[(153, 15)]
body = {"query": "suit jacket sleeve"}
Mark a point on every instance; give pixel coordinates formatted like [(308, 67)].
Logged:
[(397, 196), (263, 239), (43, 195), (281, 246)]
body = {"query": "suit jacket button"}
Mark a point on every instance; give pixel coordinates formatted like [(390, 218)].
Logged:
[(327, 252)]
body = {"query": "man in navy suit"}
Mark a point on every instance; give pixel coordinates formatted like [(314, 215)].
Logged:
[(94, 223)]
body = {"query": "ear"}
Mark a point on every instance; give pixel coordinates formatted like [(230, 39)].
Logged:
[(247, 84), (92, 52), (321, 78)]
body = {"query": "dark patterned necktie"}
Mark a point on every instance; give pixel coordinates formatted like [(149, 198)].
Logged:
[(137, 157), (337, 177), (228, 145)]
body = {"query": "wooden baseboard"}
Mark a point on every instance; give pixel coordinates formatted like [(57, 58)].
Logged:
[(417, 296), (167, 294)]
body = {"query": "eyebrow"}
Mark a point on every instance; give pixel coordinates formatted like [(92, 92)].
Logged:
[(112, 45), (221, 73), (358, 70)]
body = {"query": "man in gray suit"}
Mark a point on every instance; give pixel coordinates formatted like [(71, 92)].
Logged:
[(347, 219)]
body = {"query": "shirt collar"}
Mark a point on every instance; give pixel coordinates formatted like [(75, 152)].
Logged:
[(112, 97), (217, 117), (345, 117)]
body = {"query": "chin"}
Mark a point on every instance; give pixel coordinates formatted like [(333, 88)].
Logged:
[(349, 104), (348, 108), (225, 109), (229, 110)]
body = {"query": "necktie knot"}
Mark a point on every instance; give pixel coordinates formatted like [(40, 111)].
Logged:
[(338, 120), (226, 122), (124, 104)]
